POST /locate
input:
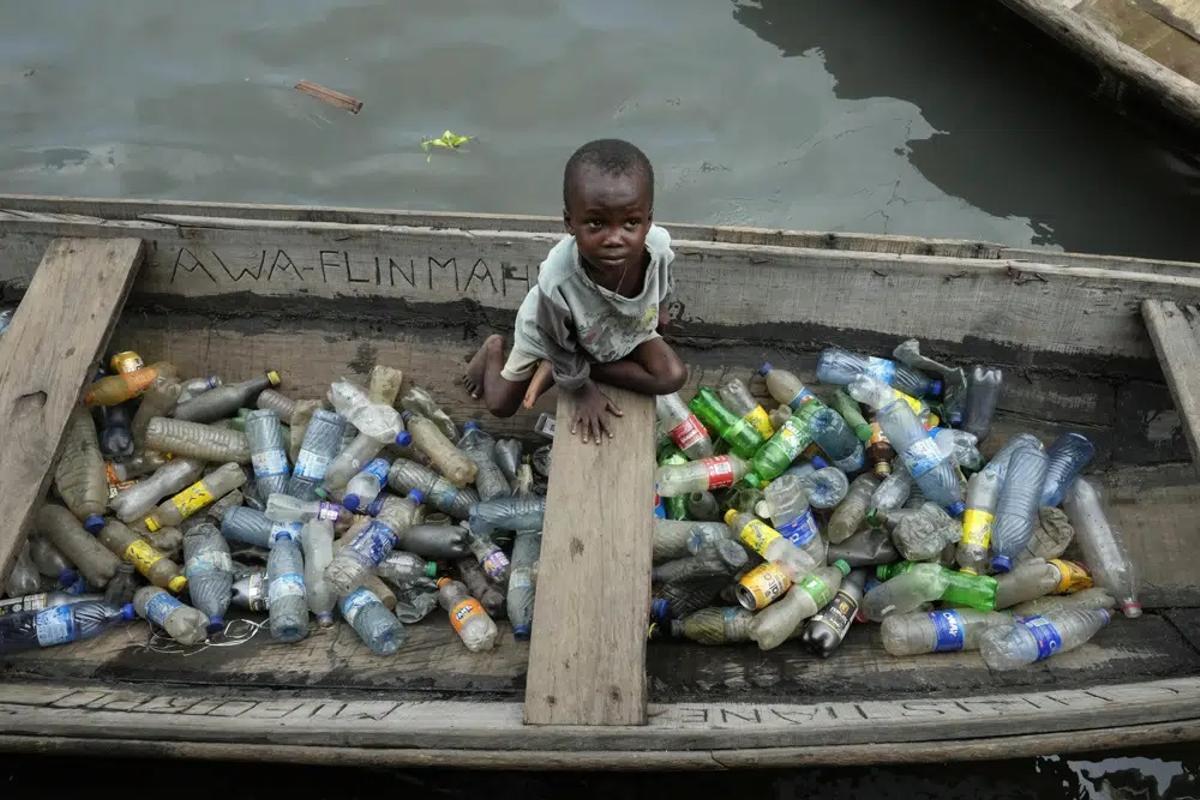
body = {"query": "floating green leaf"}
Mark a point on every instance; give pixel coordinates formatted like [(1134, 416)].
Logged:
[(449, 140)]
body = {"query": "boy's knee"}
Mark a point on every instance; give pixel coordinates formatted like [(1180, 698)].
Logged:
[(502, 408), (674, 376)]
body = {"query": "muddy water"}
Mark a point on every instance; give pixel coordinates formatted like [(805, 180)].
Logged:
[(856, 115)]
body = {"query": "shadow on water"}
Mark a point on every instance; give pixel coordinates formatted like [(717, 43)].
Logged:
[(1168, 774), (1016, 135)]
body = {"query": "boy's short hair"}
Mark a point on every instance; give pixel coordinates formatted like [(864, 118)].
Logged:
[(613, 156)]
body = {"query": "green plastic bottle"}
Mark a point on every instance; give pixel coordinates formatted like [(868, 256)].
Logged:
[(676, 506), (744, 440), (972, 591), (851, 411), (774, 457)]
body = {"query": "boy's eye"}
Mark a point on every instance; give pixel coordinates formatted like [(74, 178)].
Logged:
[(633, 222), (594, 224)]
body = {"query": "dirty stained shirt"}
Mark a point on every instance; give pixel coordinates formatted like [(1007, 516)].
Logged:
[(571, 321)]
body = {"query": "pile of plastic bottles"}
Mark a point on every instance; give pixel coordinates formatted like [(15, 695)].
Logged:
[(873, 503), (176, 498)]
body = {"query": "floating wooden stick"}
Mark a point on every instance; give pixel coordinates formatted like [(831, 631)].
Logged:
[(327, 95)]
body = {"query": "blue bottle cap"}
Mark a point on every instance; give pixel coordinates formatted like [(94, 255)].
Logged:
[(956, 509), (281, 534), (471, 425), (376, 505), (351, 502), (404, 438), (1001, 563), (658, 609), (93, 523), (956, 418), (216, 624), (417, 496), (128, 612), (521, 632), (819, 462), (936, 388), (765, 368), (67, 577)]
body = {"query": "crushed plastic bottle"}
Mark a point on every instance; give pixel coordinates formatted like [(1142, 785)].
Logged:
[(683, 427), (852, 511), (477, 583), (945, 631), (321, 442), (983, 393), (741, 436), (1052, 534), (354, 405), (737, 398), (268, 452), (865, 548), (468, 618), (406, 476), (250, 592), (366, 547), (138, 500), (774, 624), (224, 401), (785, 387), (1017, 505), (1032, 579), (527, 548), (711, 558), (23, 579), (377, 627), (209, 571), (402, 568), (671, 536), (787, 502), (983, 494), (507, 514), (715, 472), (930, 468), (418, 401), (286, 598), (196, 497), (1068, 455), (833, 435), (837, 366), (1102, 546), (194, 440), (79, 476), (59, 624), (960, 446), (146, 559), (480, 447), (1032, 639), (62, 529), (891, 493), (824, 632), (451, 462), (907, 591), (182, 623), (826, 486)]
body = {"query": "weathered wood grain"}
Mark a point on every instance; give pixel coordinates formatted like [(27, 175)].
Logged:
[(46, 355), (1174, 333), (588, 652)]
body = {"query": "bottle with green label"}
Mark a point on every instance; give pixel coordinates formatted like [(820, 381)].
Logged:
[(851, 411), (774, 624), (972, 591), (676, 505), (743, 438), (792, 438)]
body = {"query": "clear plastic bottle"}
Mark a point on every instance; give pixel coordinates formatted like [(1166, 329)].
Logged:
[(852, 511), (370, 544), (785, 387), (196, 497), (1032, 639), (286, 598), (473, 577), (441, 452), (383, 384), (139, 500), (271, 400), (1017, 506), (922, 583), (491, 558), (437, 541), (285, 508), (59, 625), (248, 526), (891, 493), (194, 440), (351, 460), (224, 401), (182, 623), (367, 484), (507, 514), (770, 544), (197, 386), (79, 476), (851, 412), (378, 628), (61, 528), (945, 631), (1095, 597), (268, 454), (1068, 455), (1052, 534), (508, 457), (44, 600), (121, 588), (322, 440), (729, 625), (298, 423), (983, 392), (671, 536), (146, 559), (400, 513), (1002, 457), (682, 426), (826, 486), (48, 559), (316, 541), (23, 579), (715, 472), (402, 568), (959, 446), (737, 398), (480, 447), (467, 616), (406, 475), (418, 401), (825, 631), (1032, 579), (787, 502), (353, 404), (702, 506), (209, 571), (1102, 546), (840, 367), (777, 622), (833, 435), (527, 548), (983, 494), (116, 389)]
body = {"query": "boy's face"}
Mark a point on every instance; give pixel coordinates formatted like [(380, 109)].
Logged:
[(609, 216)]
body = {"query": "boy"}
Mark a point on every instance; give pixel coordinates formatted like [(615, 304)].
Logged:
[(595, 312)]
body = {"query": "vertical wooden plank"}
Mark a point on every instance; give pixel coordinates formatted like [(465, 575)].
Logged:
[(46, 355), (1175, 341), (587, 658)]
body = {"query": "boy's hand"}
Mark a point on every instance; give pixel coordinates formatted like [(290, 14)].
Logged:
[(592, 407)]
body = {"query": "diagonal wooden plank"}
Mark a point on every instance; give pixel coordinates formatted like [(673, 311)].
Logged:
[(46, 355), (1178, 350), (587, 657)]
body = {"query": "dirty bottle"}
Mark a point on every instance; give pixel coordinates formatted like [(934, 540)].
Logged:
[(700, 506), (1095, 597), (199, 495), (983, 392), (48, 559), (833, 436), (247, 525), (44, 600), (402, 568), (778, 453), (865, 548), (406, 475), (671, 536), (711, 558), (682, 426), (1035, 578), (23, 579), (840, 367), (209, 571), (715, 472), (371, 544), (1017, 505), (286, 598), (921, 583), (983, 493), (1033, 639), (921, 534), (477, 445), (1068, 455), (774, 624), (316, 542), (851, 412), (61, 528), (491, 557), (507, 514), (146, 559), (477, 583), (195, 440), (1102, 546), (367, 484), (852, 511), (115, 434), (268, 453), (383, 384), (508, 457), (79, 476), (959, 446), (441, 452), (321, 442), (891, 493), (527, 548), (944, 631), (787, 502), (182, 623), (437, 541), (713, 625), (139, 500), (354, 405), (824, 632), (930, 468), (224, 401), (1052, 534), (197, 386), (826, 486), (399, 513), (352, 459), (121, 588), (116, 389), (378, 628), (59, 625), (770, 544), (737, 398), (785, 387), (271, 400), (418, 401), (250, 591), (298, 423), (880, 453), (961, 589), (471, 623), (741, 436)]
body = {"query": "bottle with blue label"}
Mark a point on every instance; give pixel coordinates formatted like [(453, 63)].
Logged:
[(932, 469), (837, 366), (375, 625), (1068, 455), (322, 440), (286, 598), (785, 388), (944, 631), (480, 447), (406, 475), (787, 502), (1017, 506), (826, 486), (247, 525), (832, 434), (1032, 639), (268, 453), (60, 624), (367, 484), (209, 571), (182, 623), (527, 548)]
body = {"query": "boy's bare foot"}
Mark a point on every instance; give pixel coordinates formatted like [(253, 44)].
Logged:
[(473, 379), (539, 384)]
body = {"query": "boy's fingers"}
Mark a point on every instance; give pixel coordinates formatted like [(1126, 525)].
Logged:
[(605, 427)]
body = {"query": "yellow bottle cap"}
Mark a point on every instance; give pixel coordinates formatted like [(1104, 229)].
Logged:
[(152, 524), (729, 515), (177, 584), (273, 377)]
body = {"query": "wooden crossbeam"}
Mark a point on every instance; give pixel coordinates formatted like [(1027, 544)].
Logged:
[(1175, 332)]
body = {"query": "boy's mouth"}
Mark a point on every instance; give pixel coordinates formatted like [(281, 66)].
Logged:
[(612, 261)]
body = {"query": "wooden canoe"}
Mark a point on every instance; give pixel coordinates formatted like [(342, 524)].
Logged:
[(322, 292)]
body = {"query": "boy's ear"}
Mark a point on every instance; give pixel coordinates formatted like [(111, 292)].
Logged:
[(567, 222)]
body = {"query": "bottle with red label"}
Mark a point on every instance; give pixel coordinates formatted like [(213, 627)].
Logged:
[(686, 431), (467, 616), (715, 472)]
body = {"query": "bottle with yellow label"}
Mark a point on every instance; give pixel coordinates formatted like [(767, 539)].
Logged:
[(772, 626), (145, 558), (467, 617), (199, 495), (983, 489), (770, 543), (737, 398)]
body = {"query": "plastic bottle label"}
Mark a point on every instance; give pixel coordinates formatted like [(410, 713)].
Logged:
[(311, 466), (803, 396), (793, 437), (161, 606), (881, 369), (55, 626), (269, 463), (495, 564), (379, 468), (376, 542), (355, 602), (758, 535), (977, 527), (1074, 578), (948, 631), (142, 555), (328, 511), (689, 432), (877, 435), (192, 499), (816, 588), (720, 472), (761, 421), (520, 579), (30, 602), (922, 456), (212, 561), (839, 613), (801, 530), (465, 611), (765, 583), (289, 584), (1048, 639)]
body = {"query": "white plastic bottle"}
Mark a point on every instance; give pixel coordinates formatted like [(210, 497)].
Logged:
[(948, 630), (1103, 547), (137, 501), (1033, 639), (182, 623), (316, 539)]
